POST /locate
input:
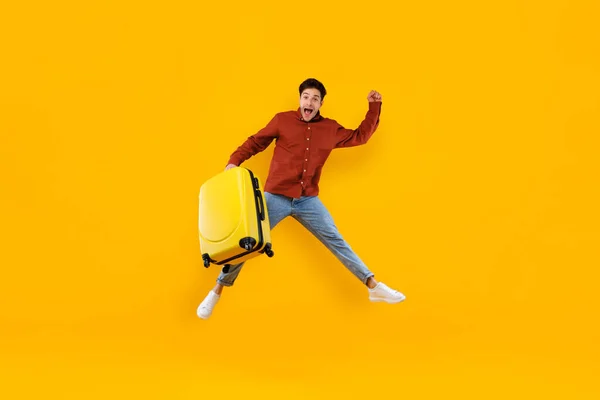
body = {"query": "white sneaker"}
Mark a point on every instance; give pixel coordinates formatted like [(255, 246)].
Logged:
[(382, 292), (206, 307)]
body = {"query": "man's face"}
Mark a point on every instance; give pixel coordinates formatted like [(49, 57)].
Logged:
[(310, 102)]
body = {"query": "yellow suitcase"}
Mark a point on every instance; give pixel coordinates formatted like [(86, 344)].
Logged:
[(233, 220)]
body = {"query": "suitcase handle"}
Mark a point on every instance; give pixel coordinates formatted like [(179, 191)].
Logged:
[(260, 204)]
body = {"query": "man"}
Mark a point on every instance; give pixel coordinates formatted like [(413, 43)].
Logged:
[(304, 140)]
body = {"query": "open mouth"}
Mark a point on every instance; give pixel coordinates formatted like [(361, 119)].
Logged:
[(308, 112)]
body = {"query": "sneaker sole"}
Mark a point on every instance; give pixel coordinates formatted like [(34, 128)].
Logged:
[(378, 300)]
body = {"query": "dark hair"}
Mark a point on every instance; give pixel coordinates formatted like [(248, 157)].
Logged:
[(312, 83)]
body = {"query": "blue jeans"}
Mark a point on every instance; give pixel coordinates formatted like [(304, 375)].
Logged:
[(312, 214)]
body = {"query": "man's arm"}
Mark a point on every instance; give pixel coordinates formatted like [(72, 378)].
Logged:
[(355, 137), (254, 144)]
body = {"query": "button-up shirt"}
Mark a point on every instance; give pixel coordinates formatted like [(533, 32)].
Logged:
[(302, 147)]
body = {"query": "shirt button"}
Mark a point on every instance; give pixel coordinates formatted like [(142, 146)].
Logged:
[(307, 148), (307, 138), (306, 159), (309, 127)]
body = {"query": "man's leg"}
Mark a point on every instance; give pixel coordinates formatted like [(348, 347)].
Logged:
[(313, 215), (278, 207)]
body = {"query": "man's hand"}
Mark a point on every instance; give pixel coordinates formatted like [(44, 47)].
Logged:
[(229, 166), (374, 96)]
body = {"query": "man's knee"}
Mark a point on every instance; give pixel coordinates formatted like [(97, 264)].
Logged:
[(331, 233)]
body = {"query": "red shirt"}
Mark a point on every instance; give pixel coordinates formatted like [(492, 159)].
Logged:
[(301, 148)]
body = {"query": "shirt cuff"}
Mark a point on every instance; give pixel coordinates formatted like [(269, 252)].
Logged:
[(234, 160), (374, 105)]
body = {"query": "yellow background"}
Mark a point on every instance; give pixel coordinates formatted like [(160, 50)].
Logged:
[(477, 197)]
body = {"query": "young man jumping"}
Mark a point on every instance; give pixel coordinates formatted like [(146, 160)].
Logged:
[(304, 140)]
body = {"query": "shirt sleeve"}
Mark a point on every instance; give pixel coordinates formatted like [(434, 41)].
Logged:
[(355, 137), (256, 143)]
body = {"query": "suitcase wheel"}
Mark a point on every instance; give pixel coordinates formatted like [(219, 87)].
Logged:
[(247, 243), (206, 259), (268, 250)]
